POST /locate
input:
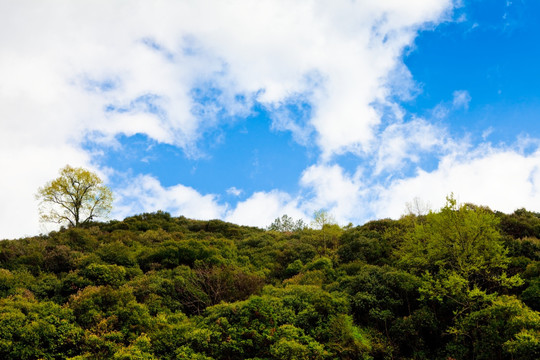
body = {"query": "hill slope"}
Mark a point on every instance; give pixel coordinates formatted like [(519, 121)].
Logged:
[(461, 283)]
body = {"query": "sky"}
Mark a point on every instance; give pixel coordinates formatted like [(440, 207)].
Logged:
[(246, 110)]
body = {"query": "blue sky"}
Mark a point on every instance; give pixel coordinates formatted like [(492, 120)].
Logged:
[(246, 110), (493, 55)]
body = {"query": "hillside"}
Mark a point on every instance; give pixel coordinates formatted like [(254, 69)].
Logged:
[(462, 283)]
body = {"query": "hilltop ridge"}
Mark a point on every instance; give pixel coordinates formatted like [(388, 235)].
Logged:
[(459, 283)]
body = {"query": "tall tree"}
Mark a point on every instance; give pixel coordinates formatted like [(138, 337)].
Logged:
[(462, 239), (323, 220), (77, 196)]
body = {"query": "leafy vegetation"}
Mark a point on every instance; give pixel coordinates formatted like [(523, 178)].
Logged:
[(460, 283), (75, 197)]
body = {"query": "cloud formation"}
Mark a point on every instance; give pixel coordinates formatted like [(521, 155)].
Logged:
[(328, 72), (504, 179), (137, 68), (461, 99), (94, 70), (146, 194)]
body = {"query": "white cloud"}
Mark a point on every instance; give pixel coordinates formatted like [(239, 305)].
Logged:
[(20, 182), (404, 142), (234, 191), (63, 66), (262, 208), (332, 189), (146, 194), (110, 68), (487, 132), (440, 111), (80, 57), (504, 179), (461, 99), (501, 178)]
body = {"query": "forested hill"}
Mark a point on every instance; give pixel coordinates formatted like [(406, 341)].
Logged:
[(461, 283)]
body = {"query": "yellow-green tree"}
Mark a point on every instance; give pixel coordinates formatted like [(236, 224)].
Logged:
[(327, 224), (77, 196), (461, 239)]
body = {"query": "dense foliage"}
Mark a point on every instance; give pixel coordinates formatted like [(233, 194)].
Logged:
[(461, 283)]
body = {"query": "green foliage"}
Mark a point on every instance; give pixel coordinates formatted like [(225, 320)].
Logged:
[(348, 340), (286, 323), (140, 349), (76, 197), (294, 268), (292, 343), (380, 294), (104, 308), (117, 253), (520, 224), (7, 282), (100, 274), (287, 224), (30, 329), (455, 284), (459, 254), (459, 239), (506, 325), (531, 295), (171, 254), (368, 246), (330, 231), (418, 335)]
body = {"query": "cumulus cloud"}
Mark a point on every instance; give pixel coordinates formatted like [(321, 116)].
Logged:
[(406, 142), (332, 189), (145, 59), (502, 178), (146, 194), (172, 70), (262, 208)]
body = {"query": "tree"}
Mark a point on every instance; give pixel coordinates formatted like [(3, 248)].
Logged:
[(322, 220), (460, 239), (286, 224), (417, 207), (76, 197), (505, 326), (461, 259)]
